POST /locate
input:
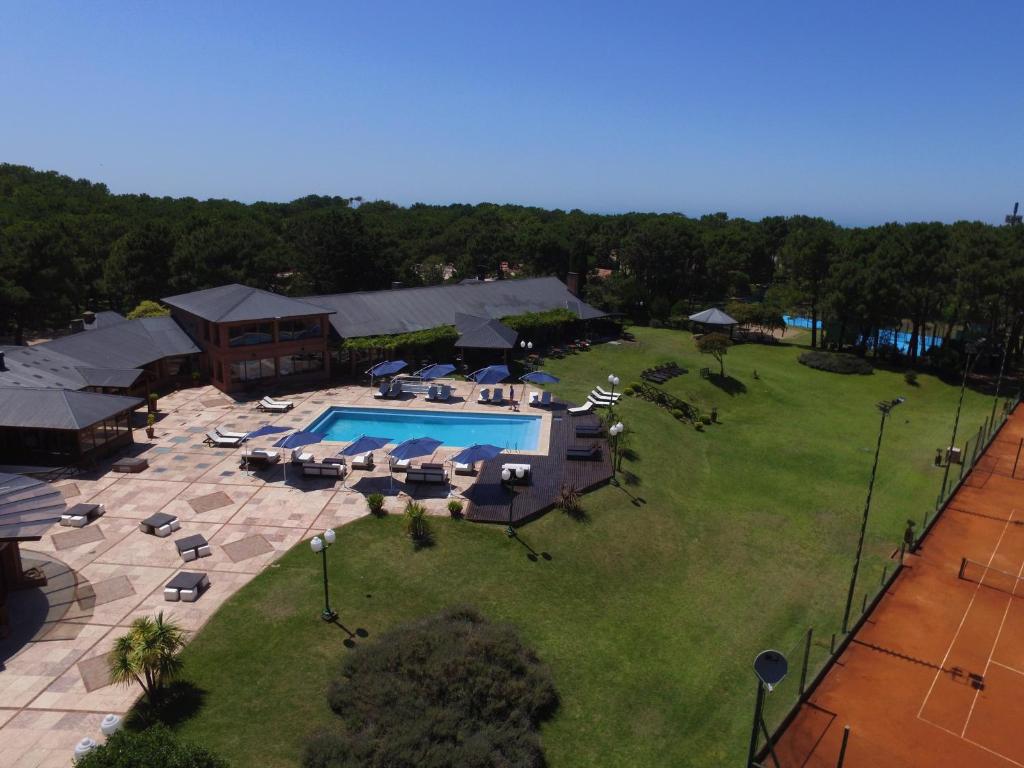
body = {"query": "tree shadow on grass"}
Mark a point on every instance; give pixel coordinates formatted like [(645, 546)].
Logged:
[(179, 701), (728, 384)]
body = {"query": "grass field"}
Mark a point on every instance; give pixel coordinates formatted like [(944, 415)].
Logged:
[(649, 612)]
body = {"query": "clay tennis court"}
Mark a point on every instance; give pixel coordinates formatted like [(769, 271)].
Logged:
[(935, 676)]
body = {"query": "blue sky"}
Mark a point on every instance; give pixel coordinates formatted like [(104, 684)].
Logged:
[(860, 111)]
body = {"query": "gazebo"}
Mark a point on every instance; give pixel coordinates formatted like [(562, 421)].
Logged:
[(27, 510), (484, 333), (714, 319)]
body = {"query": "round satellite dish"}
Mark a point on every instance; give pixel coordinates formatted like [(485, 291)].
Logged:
[(771, 668)]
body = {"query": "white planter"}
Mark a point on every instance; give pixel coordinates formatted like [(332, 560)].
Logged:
[(110, 725)]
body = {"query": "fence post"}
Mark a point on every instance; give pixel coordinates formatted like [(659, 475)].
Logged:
[(978, 447), (885, 568), (842, 749), (832, 644), (864, 604), (1019, 446), (807, 657), (963, 565)]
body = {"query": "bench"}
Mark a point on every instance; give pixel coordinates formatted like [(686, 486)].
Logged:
[(130, 464), (420, 475), (589, 453), (316, 469), (589, 430), (80, 515)]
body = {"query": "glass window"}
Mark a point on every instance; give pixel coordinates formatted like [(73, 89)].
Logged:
[(303, 328), (246, 335), (252, 370), (307, 362)]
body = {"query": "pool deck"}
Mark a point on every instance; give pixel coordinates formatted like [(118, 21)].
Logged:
[(53, 686), (492, 502)]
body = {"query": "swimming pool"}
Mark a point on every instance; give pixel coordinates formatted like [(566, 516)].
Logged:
[(507, 430)]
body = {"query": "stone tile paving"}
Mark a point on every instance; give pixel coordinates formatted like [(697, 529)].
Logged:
[(45, 705)]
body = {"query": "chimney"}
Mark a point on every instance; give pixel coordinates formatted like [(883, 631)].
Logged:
[(89, 317), (572, 282), (3, 361), (77, 325)]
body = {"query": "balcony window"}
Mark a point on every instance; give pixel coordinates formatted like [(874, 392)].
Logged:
[(307, 362), (252, 370), (303, 328), (247, 335)]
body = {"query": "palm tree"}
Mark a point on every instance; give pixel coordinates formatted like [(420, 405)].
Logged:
[(147, 655)]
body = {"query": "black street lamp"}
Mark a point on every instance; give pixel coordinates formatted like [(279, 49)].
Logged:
[(969, 349), (886, 408), (319, 545), (508, 476), (613, 380), (527, 347), (615, 430)]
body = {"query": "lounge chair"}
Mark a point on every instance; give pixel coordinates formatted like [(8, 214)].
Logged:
[(426, 475), (589, 430), (545, 398), (259, 458), (317, 469), (399, 465), (395, 390), (229, 434), (382, 391), (272, 406), (432, 392), (498, 396), (362, 461), (484, 396), (218, 441), (445, 392), (300, 456), (534, 398), (275, 401), (598, 402), (588, 453), (608, 395), (464, 469), (587, 407)]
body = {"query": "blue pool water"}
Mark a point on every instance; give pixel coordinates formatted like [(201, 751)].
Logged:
[(506, 430), (886, 336)]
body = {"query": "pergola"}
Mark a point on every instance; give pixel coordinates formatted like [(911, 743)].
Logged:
[(714, 319)]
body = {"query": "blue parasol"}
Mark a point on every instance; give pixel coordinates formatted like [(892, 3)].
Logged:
[(436, 371), (387, 368), (299, 439), (492, 374), (539, 377), (266, 429), (364, 444), (475, 453)]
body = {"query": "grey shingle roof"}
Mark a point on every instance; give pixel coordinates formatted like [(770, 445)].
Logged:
[(122, 378), (375, 313), (129, 344), (39, 366), (105, 319), (58, 408), (713, 316), (27, 507), (232, 303), (481, 333)]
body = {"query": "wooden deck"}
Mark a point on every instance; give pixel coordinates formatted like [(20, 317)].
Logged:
[(490, 501)]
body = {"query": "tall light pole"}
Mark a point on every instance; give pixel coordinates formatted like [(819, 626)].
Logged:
[(886, 408), (969, 349), (319, 545), (527, 347), (615, 430), (613, 380)]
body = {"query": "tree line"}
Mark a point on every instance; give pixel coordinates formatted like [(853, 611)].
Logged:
[(67, 245)]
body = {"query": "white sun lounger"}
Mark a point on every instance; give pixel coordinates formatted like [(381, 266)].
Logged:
[(498, 396), (484, 396), (229, 434), (219, 441), (587, 407), (300, 456), (605, 394), (266, 404)]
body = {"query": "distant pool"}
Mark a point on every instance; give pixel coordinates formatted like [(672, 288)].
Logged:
[(454, 429), (886, 336)]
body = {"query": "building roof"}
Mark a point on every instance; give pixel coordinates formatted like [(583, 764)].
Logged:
[(28, 507), (39, 366), (42, 408), (376, 313), (713, 317), (482, 333), (234, 303), (120, 378), (124, 345)]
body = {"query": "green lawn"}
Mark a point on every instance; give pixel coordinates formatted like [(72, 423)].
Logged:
[(650, 612)]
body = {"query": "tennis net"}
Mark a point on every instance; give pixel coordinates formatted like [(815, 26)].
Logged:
[(993, 578)]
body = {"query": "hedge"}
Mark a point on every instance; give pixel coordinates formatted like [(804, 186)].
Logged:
[(836, 363)]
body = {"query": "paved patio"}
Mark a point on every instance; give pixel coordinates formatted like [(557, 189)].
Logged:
[(54, 690)]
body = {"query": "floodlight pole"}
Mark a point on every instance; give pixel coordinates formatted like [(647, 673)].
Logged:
[(956, 422), (758, 708), (885, 408), (999, 379)]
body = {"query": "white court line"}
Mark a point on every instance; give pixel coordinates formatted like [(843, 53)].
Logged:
[(1007, 666), (963, 619), (991, 653), (972, 743)]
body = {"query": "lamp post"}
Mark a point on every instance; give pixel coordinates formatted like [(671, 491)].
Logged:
[(613, 380), (886, 408), (969, 349), (615, 430), (320, 545), (506, 477), (527, 347)]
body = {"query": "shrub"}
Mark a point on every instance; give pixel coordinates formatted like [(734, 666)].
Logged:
[(699, 426), (147, 308), (705, 420), (150, 419), (416, 525), (148, 654), (449, 689), (677, 413), (836, 363), (375, 501), (570, 500), (155, 747), (911, 378), (455, 508)]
